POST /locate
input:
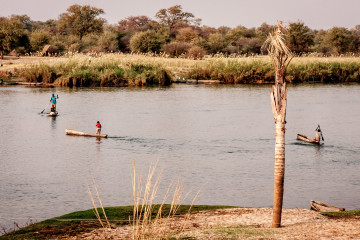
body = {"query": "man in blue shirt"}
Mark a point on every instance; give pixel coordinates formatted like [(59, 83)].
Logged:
[(53, 103)]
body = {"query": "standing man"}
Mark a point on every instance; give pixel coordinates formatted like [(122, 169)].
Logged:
[(98, 127), (318, 134), (53, 103)]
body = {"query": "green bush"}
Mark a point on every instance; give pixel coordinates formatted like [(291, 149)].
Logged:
[(39, 39), (145, 42)]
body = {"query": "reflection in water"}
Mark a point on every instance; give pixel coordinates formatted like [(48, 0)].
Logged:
[(98, 143), (53, 122), (318, 148)]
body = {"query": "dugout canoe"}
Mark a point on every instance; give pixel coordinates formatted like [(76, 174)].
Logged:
[(305, 138), (53, 114), (323, 207), (77, 133)]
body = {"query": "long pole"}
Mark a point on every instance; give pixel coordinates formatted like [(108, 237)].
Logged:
[(45, 108)]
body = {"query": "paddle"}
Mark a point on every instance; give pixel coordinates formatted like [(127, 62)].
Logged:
[(45, 108)]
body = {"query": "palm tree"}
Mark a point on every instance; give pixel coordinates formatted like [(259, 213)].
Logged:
[(281, 57)]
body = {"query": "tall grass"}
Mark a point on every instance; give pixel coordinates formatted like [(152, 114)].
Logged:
[(145, 226), (260, 70), (118, 69), (148, 220), (106, 70)]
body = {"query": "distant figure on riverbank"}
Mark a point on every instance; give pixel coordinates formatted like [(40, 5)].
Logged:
[(98, 127), (318, 134), (53, 103), (89, 58)]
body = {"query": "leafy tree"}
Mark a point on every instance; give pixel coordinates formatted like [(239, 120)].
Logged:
[(123, 41), (24, 19), (82, 20), (263, 31), (174, 31), (163, 34), (134, 24), (320, 44), (223, 29), (187, 34), (23, 45), (148, 41), (175, 15), (175, 49), (52, 26), (355, 42), (249, 45), (239, 32), (108, 42), (201, 43), (205, 31), (299, 37), (216, 42), (38, 39), (11, 31), (339, 39)]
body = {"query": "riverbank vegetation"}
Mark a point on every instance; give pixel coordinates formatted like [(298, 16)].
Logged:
[(119, 69), (107, 70)]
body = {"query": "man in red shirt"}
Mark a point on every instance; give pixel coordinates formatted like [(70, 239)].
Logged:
[(98, 127)]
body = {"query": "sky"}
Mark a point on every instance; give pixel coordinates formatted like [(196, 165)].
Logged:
[(316, 14)]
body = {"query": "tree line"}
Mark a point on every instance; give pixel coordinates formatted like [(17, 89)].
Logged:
[(173, 31)]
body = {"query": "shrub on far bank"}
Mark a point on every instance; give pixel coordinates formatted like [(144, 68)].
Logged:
[(144, 42), (196, 52), (176, 49)]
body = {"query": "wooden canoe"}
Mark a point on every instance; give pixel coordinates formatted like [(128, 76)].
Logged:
[(323, 207), (77, 133), (52, 114), (305, 138)]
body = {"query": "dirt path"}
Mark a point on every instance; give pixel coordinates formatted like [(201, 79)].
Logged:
[(248, 223)]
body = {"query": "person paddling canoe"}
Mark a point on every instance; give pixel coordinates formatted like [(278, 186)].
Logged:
[(53, 103), (98, 127), (318, 134)]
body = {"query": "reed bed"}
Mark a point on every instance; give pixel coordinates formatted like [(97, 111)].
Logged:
[(117, 69)]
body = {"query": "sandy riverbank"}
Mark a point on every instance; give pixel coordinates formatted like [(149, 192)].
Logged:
[(248, 223)]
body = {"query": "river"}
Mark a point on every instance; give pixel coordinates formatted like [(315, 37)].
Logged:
[(218, 139)]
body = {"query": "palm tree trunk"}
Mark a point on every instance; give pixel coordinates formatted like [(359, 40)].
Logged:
[(279, 173), (279, 101)]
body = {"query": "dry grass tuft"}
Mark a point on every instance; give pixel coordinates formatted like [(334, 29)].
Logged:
[(146, 226), (148, 220), (97, 214)]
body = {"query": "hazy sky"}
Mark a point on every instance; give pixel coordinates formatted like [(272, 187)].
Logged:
[(317, 14)]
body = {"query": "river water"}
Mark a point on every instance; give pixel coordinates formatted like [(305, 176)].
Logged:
[(218, 139)]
